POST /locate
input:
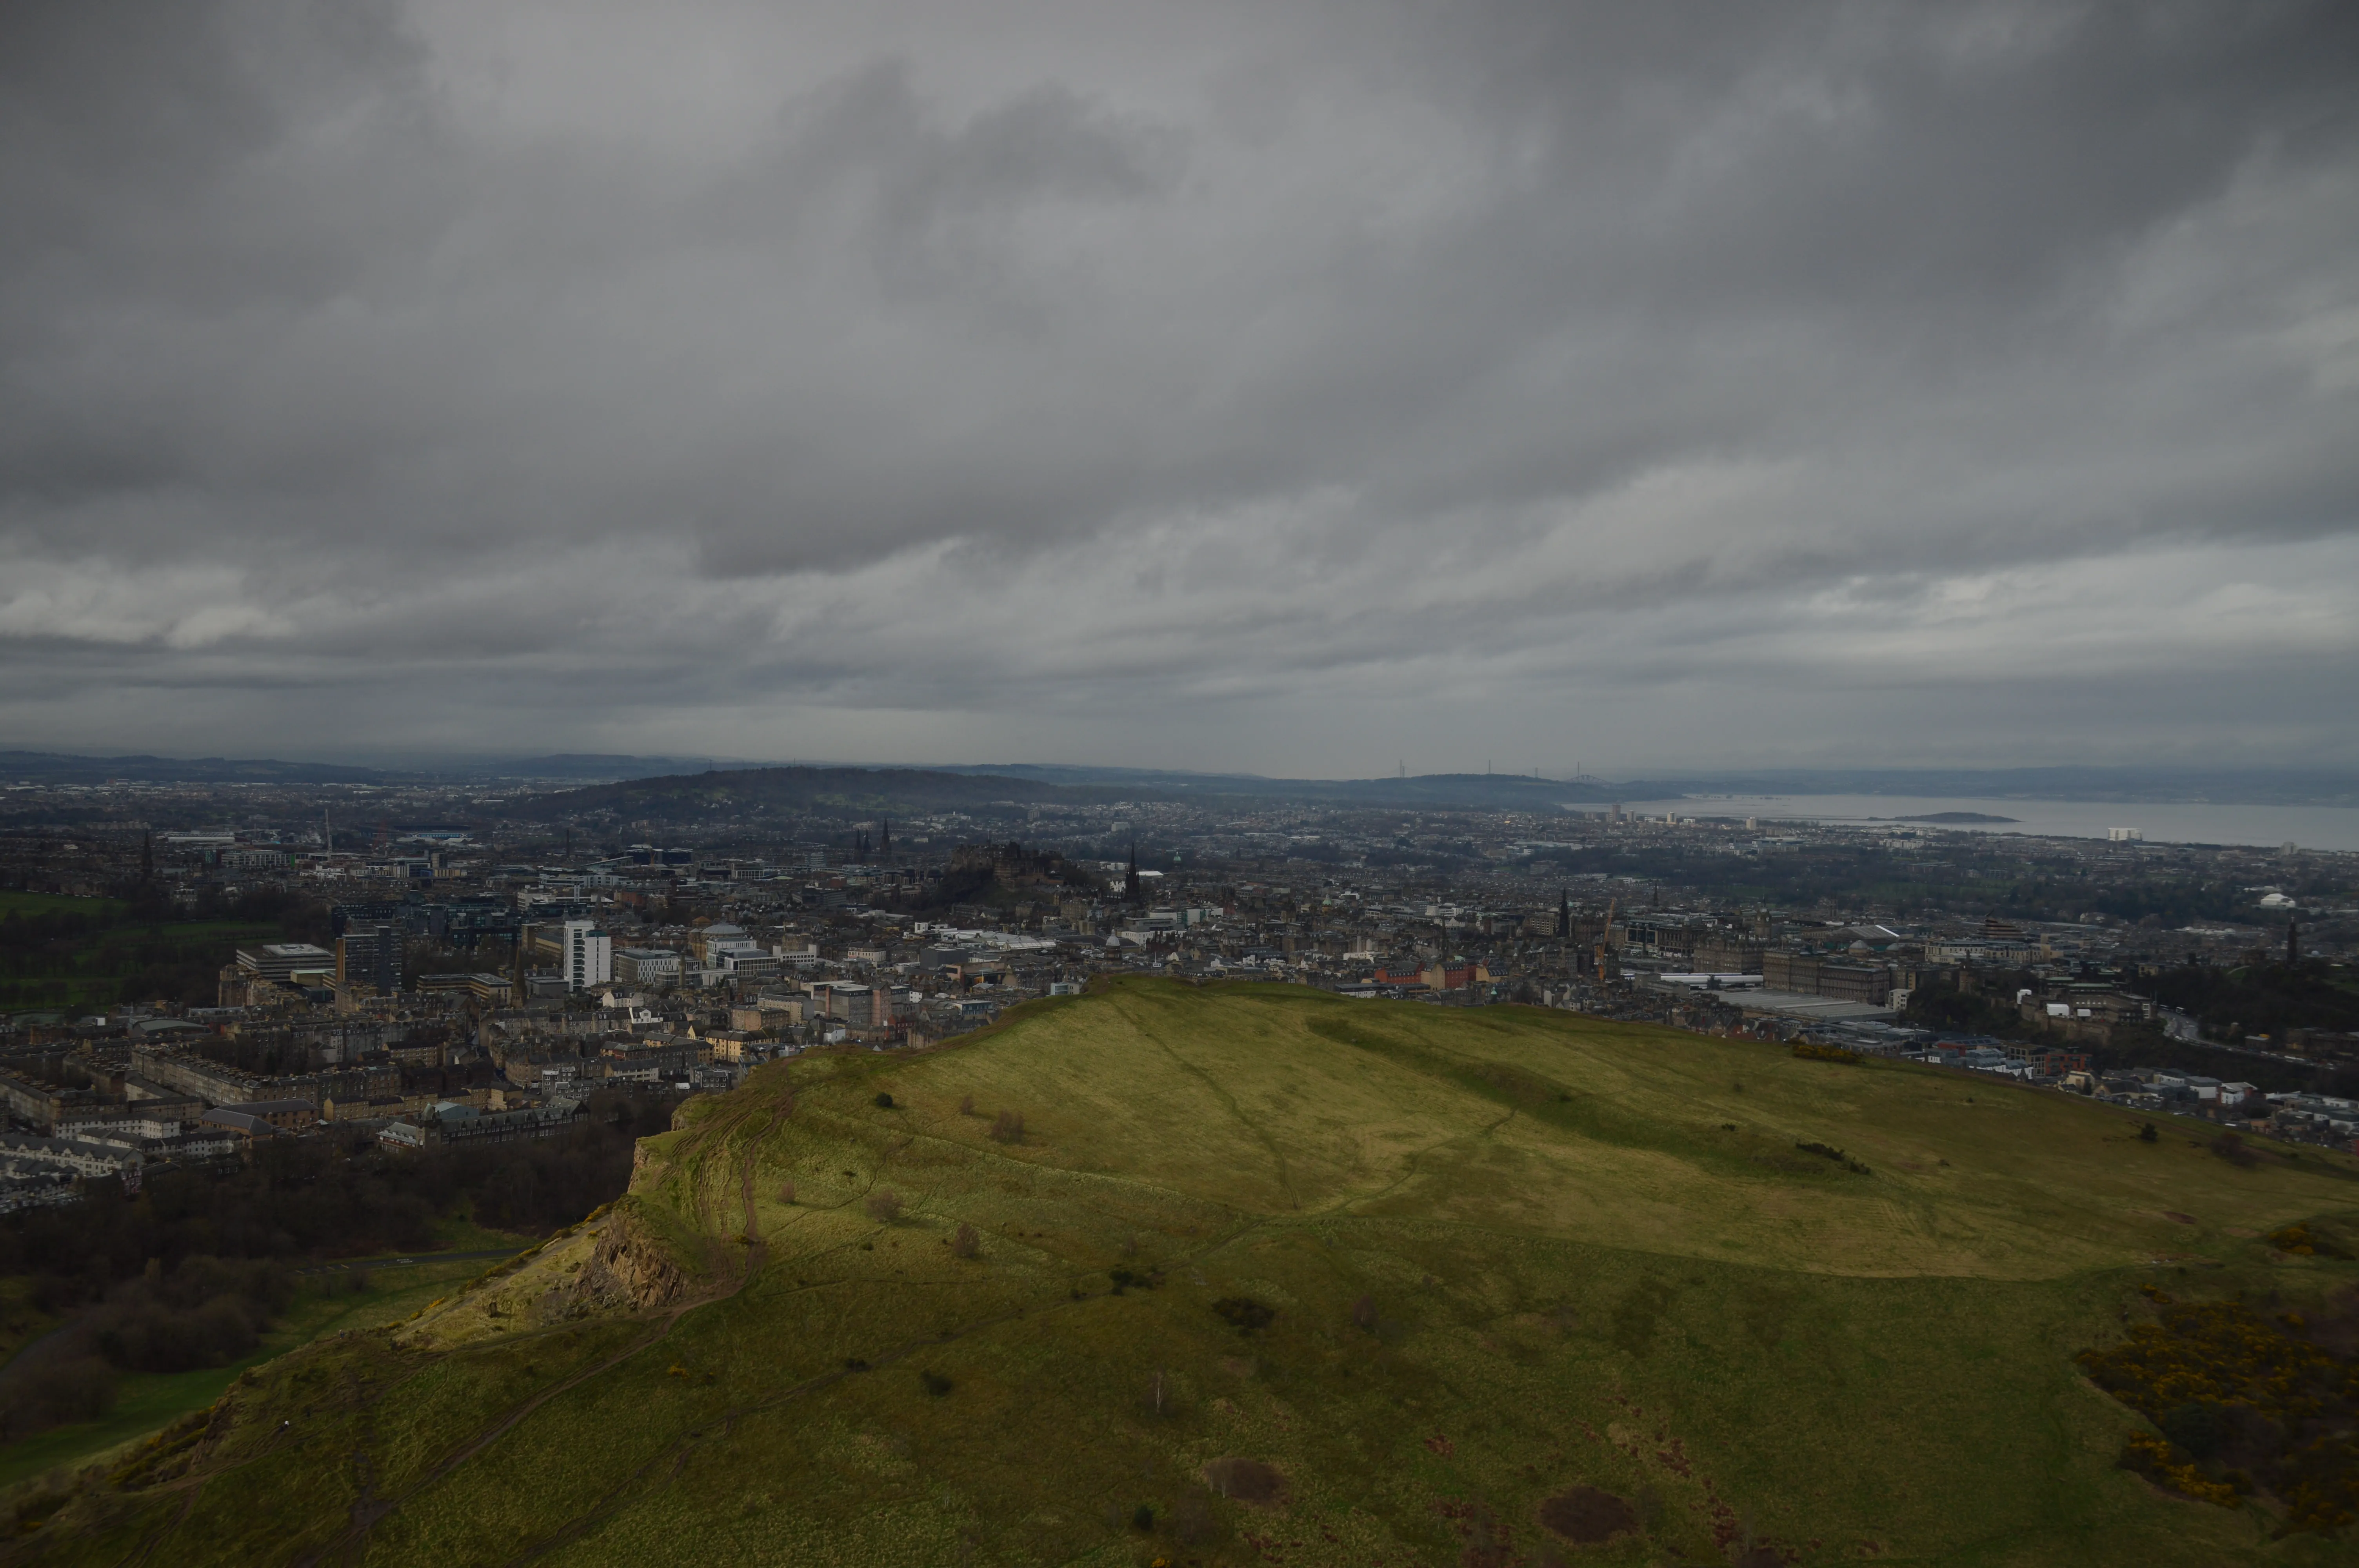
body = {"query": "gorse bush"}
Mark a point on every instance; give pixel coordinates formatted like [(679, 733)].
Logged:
[(1811, 1051), (2302, 1242), (2242, 1401), (2162, 1463)]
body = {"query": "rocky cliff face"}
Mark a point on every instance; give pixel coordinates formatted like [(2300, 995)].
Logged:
[(630, 1267)]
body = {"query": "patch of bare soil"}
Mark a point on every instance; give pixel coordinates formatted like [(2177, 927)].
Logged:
[(1245, 1480), (1587, 1515)]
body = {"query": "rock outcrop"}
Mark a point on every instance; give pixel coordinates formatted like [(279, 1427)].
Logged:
[(629, 1267)]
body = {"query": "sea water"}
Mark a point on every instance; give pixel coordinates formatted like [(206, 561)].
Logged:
[(2193, 822)]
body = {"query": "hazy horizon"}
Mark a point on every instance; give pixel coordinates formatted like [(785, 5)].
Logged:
[(1303, 389)]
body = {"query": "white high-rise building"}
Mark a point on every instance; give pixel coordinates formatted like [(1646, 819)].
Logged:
[(586, 956)]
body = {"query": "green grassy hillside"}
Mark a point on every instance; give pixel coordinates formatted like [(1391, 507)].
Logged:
[(1272, 1276)]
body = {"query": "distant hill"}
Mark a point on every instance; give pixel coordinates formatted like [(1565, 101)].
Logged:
[(751, 794), (582, 766), (1263, 1274), (1509, 792), (60, 768), (1433, 791)]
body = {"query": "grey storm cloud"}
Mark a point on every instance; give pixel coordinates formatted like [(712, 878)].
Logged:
[(1285, 386)]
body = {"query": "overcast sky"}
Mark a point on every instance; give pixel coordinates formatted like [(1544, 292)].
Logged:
[(1297, 387)]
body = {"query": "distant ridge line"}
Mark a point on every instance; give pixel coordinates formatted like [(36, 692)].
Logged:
[(2125, 785)]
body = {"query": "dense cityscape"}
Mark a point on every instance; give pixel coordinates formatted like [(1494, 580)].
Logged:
[(215, 966)]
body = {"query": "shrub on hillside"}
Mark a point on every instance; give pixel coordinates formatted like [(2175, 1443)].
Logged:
[(2231, 1147), (885, 1206), (1244, 1314), (1828, 1152), (1008, 1127), (966, 1242), (1811, 1050)]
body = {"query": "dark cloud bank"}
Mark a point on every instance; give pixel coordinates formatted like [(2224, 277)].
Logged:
[(1304, 388)]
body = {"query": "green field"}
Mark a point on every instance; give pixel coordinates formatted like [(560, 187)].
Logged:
[(1500, 1252), (54, 903), (116, 959)]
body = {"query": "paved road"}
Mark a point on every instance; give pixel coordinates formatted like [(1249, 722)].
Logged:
[(36, 1353), (409, 1259)]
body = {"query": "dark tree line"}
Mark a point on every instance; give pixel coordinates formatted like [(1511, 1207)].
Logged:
[(2261, 993), (2261, 998), (190, 1272)]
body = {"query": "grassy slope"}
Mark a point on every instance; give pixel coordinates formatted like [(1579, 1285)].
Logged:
[(1581, 1273)]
